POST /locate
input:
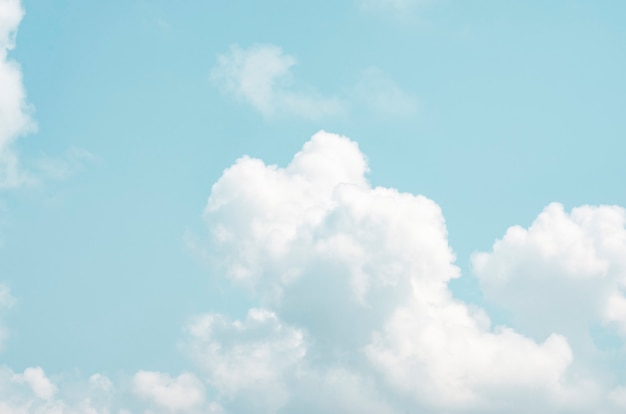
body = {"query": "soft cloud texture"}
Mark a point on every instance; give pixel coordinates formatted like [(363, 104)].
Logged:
[(15, 119), (574, 263), (247, 360), (361, 273), (566, 273), (354, 311), (37, 380), (32, 391), (180, 394), (261, 76)]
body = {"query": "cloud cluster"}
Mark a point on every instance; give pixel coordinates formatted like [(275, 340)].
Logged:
[(15, 119), (261, 76), (353, 280), (354, 313), (32, 391)]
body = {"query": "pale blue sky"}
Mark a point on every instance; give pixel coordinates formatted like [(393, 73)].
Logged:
[(492, 109)]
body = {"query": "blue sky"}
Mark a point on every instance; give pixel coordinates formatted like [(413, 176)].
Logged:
[(433, 139)]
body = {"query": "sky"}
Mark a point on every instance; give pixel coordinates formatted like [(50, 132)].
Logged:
[(372, 206)]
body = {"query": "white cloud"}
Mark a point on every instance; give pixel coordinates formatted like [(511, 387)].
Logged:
[(439, 352), (249, 357), (564, 273), (362, 272), (33, 392), (15, 119), (179, 394), (37, 380), (261, 76), (261, 364), (355, 314)]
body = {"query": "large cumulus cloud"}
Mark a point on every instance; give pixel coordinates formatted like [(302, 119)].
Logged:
[(361, 274), (353, 312)]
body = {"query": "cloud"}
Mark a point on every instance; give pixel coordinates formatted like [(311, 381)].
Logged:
[(261, 76), (37, 380), (15, 112), (32, 391), (362, 274), (249, 358), (565, 273), (179, 394), (261, 364), (353, 311), (6, 302)]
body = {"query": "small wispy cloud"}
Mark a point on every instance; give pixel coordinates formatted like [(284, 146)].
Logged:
[(261, 76)]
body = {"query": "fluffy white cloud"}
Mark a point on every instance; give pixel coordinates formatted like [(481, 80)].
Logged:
[(443, 355), (180, 394), (262, 364), (261, 76), (37, 380), (564, 273), (250, 357), (15, 119), (355, 313), (32, 392), (362, 273)]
